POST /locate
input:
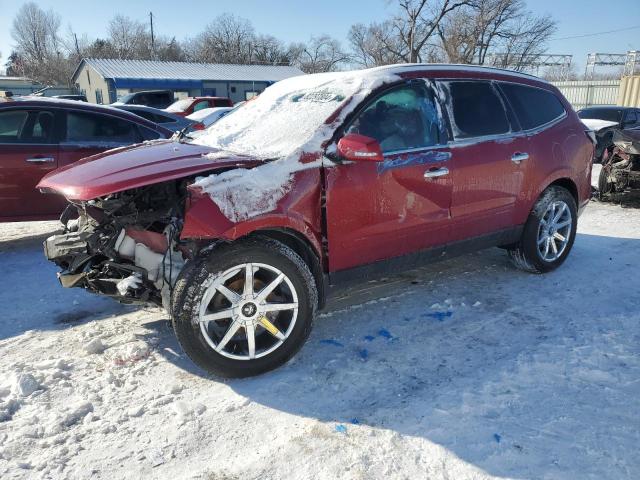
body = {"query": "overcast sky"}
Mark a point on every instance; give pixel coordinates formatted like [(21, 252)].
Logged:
[(296, 20)]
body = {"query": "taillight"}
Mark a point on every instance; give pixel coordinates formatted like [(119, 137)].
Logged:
[(198, 126)]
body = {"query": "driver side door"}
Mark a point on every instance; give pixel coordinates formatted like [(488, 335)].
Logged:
[(381, 210)]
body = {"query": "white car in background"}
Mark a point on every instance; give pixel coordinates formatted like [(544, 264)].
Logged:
[(209, 116)]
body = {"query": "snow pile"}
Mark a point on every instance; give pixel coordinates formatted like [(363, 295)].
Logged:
[(285, 121), (596, 124)]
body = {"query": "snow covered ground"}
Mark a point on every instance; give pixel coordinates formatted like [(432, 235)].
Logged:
[(466, 369)]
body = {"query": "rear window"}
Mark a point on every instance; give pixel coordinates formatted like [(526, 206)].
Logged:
[(222, 102), (102, 129), (609, 114), (180, 105), (534, 107), (475, 109)]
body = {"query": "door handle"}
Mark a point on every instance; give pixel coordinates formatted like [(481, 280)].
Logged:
[(519, 157), (41, 160), (436, 172)]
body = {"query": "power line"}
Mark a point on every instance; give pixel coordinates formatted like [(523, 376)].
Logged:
[(596, 33)]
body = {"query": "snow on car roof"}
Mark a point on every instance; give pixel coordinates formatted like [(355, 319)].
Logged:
[(205, 112)]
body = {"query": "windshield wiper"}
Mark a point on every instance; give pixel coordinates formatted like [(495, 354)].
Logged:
[(181, 134)]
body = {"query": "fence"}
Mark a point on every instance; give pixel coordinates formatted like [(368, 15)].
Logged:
[(585, 93), (629, 95)]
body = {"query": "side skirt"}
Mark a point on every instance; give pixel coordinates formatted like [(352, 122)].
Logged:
[(341, 278)]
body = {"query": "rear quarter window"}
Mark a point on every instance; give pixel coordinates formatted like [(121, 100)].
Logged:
[(475, 109), (533, 106)]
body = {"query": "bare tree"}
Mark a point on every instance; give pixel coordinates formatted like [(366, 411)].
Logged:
[(497, 32), (228, 39), (129, 38), (376, 44), (321, 54), (38, 45)]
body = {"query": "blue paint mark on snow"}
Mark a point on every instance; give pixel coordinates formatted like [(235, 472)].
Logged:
[(412, 159), (440, 316), (364, 354), (355, 421), (497, 437), (341, 428), (369, 338), (331, 341), (385, 333)]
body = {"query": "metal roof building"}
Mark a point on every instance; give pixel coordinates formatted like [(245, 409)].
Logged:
[(104, 80)]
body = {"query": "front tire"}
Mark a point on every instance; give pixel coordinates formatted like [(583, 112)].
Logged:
[(549, 233), (245, 308)]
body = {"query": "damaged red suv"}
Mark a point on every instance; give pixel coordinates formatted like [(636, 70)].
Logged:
[(242, 231)]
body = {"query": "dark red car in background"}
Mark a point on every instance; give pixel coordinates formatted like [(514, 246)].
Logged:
[(39, 135), (187, 106), (243, 231)]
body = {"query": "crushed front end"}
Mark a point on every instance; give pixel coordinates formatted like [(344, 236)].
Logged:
[(125, 245)]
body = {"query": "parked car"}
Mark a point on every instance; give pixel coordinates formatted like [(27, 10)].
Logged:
[(38, 135), (621, 171), (162, 117), (150, 98), (187, 106), (324, 179), (605, 121), (79, 98), (209, 116)]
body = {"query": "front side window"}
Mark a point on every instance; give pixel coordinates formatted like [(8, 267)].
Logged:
[(23, 126), (401, 119), (475, 109), (12, 123), (534, 107), (630, 118), (103, 129)]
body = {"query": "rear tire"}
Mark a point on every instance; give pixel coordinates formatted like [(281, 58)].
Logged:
[(604, 186), (249, 331), (548, 234)]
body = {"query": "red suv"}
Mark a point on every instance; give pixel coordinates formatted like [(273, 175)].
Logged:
[(243, 231), (187, 106)]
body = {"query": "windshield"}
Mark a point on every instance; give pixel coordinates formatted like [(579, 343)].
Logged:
[(179, 106), (126, 98), (289, 115), (608, 114)]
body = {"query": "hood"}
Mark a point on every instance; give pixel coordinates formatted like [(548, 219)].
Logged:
[(136, 166), (596, 124)]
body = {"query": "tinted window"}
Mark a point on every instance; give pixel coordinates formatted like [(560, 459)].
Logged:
[(533, 106), (200, 105), (11, 125), (401, 119), (630, 117), (609, 114), (223, 102), (475, 110), (144, 114), (23, 126), (149, 134), (92, 128)]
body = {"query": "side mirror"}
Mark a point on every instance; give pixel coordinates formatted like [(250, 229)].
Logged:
[(356, 147)]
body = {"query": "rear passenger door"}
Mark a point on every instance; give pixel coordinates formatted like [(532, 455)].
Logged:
[(488, 158), (88, 133)]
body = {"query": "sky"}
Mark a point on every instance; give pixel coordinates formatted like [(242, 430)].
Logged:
[(297, 20)]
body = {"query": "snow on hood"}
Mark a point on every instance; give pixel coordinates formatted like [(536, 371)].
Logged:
[(286, 120), (596, 124)]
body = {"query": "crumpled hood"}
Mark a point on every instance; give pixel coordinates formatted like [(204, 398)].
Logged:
[(136, 166)]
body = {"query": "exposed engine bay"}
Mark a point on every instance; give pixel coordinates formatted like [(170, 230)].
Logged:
[(125, 245), (621, 171)]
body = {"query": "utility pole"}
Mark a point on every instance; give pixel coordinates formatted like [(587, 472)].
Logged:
[(153, 47), (77, 47)]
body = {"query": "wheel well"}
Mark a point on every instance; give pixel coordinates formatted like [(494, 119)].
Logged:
[(302, 247), (568, 184)]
